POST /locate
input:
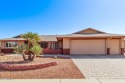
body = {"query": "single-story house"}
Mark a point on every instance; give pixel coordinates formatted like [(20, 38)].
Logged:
[(87, 41)]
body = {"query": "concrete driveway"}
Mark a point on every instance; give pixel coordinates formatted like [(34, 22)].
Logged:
[(101, 66)]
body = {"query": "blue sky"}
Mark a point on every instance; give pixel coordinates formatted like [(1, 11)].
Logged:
[(60, 16)]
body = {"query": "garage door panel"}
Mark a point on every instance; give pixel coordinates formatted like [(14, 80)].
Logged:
[(88, 47), (114, 46)]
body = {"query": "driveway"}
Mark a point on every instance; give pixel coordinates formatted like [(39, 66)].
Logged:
[(101, 66)]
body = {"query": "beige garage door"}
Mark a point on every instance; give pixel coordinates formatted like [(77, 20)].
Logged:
[(88, 47), (114, 46)]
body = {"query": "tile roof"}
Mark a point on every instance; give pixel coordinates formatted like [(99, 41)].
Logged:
[(43, 38), (54, 37), (92, 35), (48, 37)]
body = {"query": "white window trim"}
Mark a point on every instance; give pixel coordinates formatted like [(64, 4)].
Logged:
[(11, 45), (53, 45)]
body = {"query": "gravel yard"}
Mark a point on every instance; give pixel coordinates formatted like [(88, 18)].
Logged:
[(65, 69)]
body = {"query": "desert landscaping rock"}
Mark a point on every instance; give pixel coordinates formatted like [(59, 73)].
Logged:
[(65, 69)]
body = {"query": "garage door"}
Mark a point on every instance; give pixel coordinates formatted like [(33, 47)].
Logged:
[(88, 47), (114, 46)]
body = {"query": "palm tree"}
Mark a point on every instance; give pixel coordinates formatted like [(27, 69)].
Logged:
[(32, 39), (32, 48)]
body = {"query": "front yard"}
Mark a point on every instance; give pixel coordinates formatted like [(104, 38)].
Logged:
[(65, 69)]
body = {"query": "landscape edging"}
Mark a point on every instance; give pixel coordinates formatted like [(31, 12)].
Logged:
[(18, 67)]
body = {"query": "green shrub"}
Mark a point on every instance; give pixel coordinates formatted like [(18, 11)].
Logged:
[(36, 50)]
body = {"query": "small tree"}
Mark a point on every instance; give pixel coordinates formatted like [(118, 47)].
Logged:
[(32, 48)]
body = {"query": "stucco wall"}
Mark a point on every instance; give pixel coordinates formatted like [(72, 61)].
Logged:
[(122, 43), (66, 43), (89, 31), (60, 44), (0, 44)]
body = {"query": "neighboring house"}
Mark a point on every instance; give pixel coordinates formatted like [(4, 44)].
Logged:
[(88, 41)]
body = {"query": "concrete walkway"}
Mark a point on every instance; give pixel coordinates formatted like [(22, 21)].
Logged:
[(63, 81)]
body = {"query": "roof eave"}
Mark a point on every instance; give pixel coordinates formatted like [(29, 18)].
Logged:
[(87, 36)]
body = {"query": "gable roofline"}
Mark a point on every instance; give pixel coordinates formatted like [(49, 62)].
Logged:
[(89, 29), (18, 36)]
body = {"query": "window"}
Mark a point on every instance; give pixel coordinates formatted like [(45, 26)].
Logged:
[(44, 44), (11, 44), (55, 45)]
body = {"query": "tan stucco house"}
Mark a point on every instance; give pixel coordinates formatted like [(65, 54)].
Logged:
[(88, 41)]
